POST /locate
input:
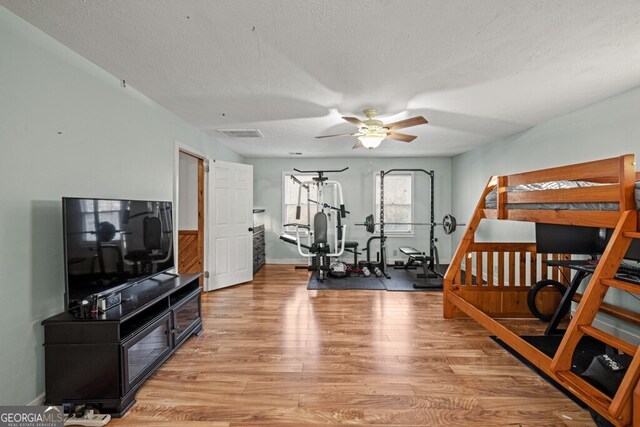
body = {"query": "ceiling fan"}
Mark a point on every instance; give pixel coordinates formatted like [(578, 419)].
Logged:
[(371, 132)]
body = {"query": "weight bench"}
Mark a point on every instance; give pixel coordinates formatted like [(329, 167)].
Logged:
[(350, 246), (419, 259)]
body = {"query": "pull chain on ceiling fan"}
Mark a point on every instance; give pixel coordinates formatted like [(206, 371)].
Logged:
[(371, 132)]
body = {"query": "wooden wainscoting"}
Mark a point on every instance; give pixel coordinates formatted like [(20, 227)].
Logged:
[(189, 259)]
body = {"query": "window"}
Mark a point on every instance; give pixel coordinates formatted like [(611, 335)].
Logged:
[(398, 205), (290, 199)]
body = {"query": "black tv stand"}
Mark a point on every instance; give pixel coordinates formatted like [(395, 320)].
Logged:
[(102, 361), (155, 278), (164, 273)]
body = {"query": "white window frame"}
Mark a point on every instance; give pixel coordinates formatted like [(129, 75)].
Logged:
[(376, 189), (286, 176)]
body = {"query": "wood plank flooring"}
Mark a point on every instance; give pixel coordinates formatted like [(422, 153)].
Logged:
[(274, 353)]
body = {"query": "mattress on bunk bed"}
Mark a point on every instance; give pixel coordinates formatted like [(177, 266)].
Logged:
[(490, 201)]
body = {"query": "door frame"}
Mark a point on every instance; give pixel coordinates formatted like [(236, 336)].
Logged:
[(203, 160)]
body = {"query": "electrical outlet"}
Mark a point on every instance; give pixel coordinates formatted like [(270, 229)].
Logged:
[(395, 252)]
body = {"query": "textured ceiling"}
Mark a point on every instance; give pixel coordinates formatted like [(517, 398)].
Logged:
[(477, 69)]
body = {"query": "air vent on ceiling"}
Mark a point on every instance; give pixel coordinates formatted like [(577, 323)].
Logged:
[(241, 133)]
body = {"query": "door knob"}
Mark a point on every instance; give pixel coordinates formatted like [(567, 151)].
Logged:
[(251, 229)]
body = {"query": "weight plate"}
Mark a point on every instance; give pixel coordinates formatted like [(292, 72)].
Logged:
[(449, 224), (369, 224), (105, 232)]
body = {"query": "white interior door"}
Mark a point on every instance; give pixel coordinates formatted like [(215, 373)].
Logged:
[(231, 218)]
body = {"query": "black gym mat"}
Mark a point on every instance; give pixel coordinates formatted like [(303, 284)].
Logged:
[(399, 281), (402, 280), (586, 350), (343, 283)]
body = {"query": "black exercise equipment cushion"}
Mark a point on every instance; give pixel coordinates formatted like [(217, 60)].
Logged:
[(320, 227)]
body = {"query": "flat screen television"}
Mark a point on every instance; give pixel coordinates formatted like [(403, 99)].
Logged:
[(568, 239), (112, 244)]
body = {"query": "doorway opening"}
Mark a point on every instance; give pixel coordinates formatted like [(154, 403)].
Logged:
[(191, 214)]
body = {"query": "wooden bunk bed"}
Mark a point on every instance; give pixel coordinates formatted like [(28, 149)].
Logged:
[(609, 202)]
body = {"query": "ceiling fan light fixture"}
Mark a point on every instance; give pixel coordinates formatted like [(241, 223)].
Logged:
[(371, 131), (372, 140)]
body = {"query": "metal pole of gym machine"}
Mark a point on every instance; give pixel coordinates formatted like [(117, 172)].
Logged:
[(432, 218), (383, 261), (432, 240)]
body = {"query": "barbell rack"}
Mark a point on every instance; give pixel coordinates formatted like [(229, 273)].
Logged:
[(432, 219)]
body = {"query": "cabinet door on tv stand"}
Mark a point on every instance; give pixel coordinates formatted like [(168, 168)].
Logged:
[(141, 354), (185, 316), (81, 372)]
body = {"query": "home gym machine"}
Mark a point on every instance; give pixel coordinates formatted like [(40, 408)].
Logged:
[(318, 249), (430, 263)]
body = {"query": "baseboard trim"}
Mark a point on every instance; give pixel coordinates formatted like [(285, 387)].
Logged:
[(37, 401), (296, 261)]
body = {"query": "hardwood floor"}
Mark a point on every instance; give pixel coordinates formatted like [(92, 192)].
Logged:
[(273, 352)]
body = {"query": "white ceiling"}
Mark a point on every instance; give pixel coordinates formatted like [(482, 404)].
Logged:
[(476, 69)]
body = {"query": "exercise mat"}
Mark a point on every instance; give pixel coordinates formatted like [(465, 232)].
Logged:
[(350, 282), (402, 280), (585, 351)]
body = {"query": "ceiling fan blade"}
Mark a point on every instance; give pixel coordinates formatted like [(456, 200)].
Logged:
[(407, 123), (401, 136), (340, 134), (355, 121), (358, 145)]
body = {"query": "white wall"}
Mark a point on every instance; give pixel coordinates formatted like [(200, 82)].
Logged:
[(357, 184), (67, 128), (606, 129), (188, 191)]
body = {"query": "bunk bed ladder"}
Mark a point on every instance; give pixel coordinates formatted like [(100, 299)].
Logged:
[(468, 238), (616, 409)]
